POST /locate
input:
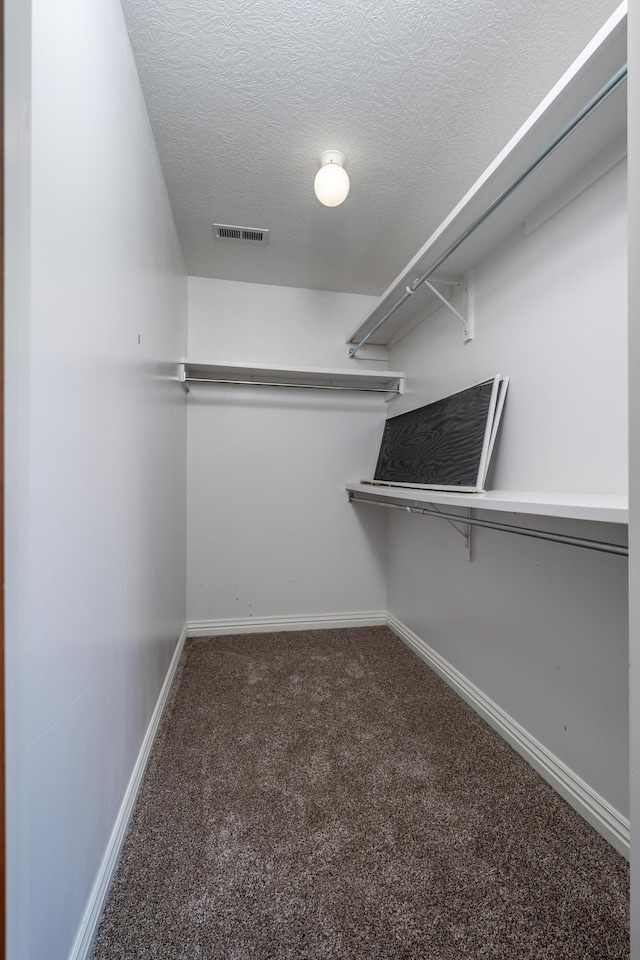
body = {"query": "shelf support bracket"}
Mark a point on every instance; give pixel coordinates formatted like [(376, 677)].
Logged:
[(467, 319), (182, 377), (465, 530)]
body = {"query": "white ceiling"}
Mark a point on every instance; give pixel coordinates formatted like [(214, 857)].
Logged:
[(243, 96)]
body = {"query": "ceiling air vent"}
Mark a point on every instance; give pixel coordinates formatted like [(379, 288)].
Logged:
[(225, 231)]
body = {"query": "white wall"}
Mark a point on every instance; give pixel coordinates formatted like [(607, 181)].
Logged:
[(270, 532), (541, 628), (96, 450), (634, 459)]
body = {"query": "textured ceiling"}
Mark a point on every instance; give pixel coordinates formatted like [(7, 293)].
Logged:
[(243, 96)]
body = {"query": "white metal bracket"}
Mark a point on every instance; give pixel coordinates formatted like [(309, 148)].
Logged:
[(466, 317), (465, 530), (469, 538), (182, 377)]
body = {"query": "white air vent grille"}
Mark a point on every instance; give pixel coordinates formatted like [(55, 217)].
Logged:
[(225, 231)]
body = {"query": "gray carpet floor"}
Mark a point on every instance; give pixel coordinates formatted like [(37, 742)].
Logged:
[(325, 795)]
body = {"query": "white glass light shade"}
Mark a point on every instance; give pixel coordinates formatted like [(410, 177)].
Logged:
[(331, 184)]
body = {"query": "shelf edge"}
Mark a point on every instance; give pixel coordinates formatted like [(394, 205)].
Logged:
[(601, 508)]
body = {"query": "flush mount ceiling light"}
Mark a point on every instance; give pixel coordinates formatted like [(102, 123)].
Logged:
[(331, 184)]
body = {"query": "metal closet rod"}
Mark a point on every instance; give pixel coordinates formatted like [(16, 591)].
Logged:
[(601, 546), (298, 386), (586, 111)]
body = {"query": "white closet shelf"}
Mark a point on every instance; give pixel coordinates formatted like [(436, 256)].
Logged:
[(592, 148), (605, 508), (387, 381)]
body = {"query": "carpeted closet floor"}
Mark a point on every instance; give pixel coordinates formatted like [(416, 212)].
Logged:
[(325, 795)]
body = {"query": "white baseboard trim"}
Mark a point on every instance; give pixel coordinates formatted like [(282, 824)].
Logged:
[(313, 621), (97, 898), (595, 809)]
